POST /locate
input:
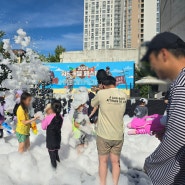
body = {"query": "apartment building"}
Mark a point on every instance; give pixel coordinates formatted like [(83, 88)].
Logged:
[(141, 21), (103, 24)]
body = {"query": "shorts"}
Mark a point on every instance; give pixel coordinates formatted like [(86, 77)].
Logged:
[(21, 137), (106, 147)]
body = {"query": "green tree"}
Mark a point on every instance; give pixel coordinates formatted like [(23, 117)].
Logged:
[(52, 58), (43, 58), (58, 51), (140, 72), (2, 34), (56, 57)]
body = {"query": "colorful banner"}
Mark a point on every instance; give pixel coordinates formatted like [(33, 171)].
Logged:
[(85, 73)]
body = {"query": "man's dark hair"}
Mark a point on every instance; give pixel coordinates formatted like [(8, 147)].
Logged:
[(101, 74), (179, 52), (109, 80)]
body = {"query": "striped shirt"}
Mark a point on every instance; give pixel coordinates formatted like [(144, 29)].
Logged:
[(166, 166)]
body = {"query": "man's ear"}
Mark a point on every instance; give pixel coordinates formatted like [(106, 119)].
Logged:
[(164, 53)]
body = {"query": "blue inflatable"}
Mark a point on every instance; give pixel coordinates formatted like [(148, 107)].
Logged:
[(7, 128)]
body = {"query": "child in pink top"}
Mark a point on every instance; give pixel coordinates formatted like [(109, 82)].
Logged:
[(147, 125), (53, 124)]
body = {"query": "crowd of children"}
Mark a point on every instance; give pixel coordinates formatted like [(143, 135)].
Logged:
[(52, 122), (81, 124)]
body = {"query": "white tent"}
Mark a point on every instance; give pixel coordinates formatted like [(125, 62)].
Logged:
[(150, 80)]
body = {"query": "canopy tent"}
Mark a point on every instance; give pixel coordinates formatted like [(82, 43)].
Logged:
[(150, 80)]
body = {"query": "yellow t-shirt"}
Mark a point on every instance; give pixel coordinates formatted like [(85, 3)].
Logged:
[(22, 116), (112, 104)]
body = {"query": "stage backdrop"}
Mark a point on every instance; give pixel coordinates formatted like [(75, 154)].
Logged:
[(85, 73)]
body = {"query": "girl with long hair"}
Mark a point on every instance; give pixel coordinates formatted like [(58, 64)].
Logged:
[(53, 124), (23, 122)]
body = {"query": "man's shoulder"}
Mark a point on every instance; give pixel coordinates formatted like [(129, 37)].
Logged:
[(180, 81), (111, 92), (120, 92)]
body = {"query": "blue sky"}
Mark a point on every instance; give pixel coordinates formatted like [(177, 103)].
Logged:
[(48, 22)]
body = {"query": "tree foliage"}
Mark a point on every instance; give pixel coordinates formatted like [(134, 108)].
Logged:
[(58, 51), (140, 72), (56, 57), (2, 34)]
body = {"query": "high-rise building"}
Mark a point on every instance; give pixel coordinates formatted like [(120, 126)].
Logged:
[(141, 21), (103, 24), (115, 24)]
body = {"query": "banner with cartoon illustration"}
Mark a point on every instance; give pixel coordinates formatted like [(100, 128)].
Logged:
[(84, 74)]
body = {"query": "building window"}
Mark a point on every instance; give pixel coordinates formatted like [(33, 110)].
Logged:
[(103, 30), (158, 7)]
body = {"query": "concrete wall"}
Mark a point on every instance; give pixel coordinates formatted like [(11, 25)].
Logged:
[(173, 16), (100, 55), (150, 19)]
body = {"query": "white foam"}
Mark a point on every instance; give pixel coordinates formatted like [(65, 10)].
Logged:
[(33, 167)]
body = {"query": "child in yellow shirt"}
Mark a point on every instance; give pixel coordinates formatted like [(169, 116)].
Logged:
[(24, 123)]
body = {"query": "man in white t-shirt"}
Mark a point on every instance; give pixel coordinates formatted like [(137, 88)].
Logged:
[(110, 128)]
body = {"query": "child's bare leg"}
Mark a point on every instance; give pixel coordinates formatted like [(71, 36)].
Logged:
[(27, 144), (21, 148), (80, 148)]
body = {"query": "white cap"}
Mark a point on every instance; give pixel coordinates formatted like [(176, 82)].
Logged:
[(79, 99), (144, 100)]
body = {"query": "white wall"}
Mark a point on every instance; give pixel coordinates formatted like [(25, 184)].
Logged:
[(100, 56), (150, 18)]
